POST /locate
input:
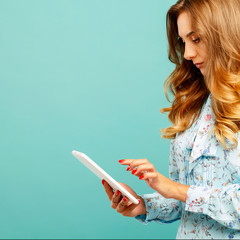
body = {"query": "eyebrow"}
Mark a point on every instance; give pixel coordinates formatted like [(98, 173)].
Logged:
[(189, 34)]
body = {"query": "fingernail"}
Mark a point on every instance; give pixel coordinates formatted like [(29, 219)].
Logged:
[(134, 171), (139, 201), (103, 181), (128, 168), (141, 177), (121, 161), (117, 192), (124, 199)]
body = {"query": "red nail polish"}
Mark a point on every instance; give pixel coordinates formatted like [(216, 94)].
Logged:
[(117, 192), (134, 171), (141, 177), (121, 161), (103, 181), (139, 201), (124, 199), (128, 168)]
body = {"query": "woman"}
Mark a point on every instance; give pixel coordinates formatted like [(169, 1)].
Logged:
[(204, 185)]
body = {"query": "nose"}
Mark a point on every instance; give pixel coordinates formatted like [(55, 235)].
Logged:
[(190, 52)]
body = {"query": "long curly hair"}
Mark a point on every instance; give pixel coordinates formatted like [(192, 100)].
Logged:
[(217, 24)]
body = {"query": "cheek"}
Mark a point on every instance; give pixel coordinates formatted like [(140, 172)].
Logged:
[(203, 52), (204, 56)]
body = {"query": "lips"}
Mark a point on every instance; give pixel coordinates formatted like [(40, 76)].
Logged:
[(198, 65)]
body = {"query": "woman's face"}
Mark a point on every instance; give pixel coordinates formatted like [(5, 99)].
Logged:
[(195, 49)]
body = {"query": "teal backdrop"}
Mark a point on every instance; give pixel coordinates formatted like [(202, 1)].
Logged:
[(82, 75)]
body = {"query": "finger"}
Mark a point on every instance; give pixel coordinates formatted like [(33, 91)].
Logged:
[(141, 169), (148, 176), (125, 161), (108, 189), (129, 161), (122, 205), (116, 199), (132, 162), (137, 163)]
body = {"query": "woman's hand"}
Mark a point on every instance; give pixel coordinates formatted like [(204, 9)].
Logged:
[(122, 204), (143, 169)]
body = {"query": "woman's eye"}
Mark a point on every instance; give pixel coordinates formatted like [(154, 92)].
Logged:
[(196, 40)]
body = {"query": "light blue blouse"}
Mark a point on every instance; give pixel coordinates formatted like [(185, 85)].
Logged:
[(212, 208)]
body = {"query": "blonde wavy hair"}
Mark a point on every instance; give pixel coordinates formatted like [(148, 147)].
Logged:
[(217, 24)]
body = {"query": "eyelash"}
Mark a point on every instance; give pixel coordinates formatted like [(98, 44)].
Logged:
[(196, 40)]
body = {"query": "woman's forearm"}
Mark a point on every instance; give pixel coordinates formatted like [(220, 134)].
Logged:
[(181, 192)]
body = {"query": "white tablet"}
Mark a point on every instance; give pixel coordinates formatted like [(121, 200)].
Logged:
[(91, 165)]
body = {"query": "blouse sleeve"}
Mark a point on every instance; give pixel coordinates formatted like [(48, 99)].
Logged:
[(220, 203), (158, 208)]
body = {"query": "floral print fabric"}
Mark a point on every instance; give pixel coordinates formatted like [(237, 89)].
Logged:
[(212, 208)]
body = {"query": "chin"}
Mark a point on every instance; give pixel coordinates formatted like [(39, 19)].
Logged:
[(202, 71)]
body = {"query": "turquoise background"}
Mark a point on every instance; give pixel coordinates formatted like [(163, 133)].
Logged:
[(85, 75)]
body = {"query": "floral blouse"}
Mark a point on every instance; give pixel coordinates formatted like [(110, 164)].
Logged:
[(212, 208)]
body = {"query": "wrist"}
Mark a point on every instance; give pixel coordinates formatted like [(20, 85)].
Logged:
[(181, 192), (143, 210)]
